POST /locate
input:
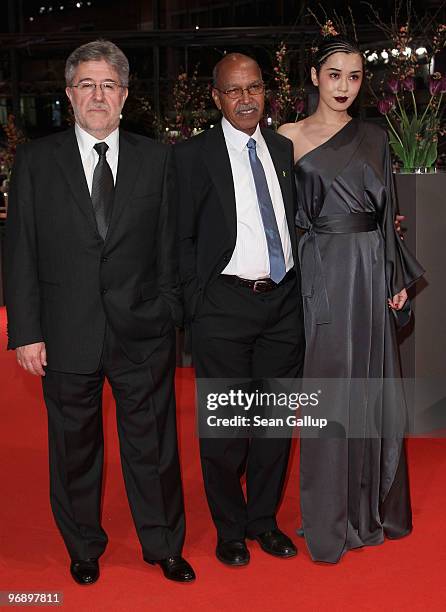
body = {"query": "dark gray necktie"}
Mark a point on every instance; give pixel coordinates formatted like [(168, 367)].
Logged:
[(275, 250), (102, 190)]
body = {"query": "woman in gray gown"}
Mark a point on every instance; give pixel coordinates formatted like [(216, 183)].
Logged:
[(355, 271)]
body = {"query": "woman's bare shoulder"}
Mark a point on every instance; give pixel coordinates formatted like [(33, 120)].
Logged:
[(291, 130), (297, 133)]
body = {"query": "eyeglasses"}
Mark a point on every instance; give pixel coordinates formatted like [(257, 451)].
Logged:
[(237, 92), (107, 87)]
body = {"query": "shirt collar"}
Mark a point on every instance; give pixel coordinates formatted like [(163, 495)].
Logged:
[(86, 141), (238, 139)]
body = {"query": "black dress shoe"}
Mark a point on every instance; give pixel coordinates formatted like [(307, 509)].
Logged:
[(276, 543), (85, 571), (175, 568), (233, 552)]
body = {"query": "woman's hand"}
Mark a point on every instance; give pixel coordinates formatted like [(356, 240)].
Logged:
[(398, 219), (398, 300)]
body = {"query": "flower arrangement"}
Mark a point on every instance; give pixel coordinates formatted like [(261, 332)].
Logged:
[(413, 133), (183, 115), (188, 115), (410, 99), (336, 26), (282, 104)]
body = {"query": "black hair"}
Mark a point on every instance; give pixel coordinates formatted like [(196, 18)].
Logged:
[(330, 45)]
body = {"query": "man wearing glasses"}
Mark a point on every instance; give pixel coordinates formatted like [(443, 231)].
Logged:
[(92, 293), (241, 290)]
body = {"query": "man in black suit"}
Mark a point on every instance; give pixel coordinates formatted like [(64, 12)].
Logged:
[(92, 293), (242, 297)]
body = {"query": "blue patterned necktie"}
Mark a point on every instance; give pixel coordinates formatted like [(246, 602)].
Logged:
[(102, 190), (276, 258)]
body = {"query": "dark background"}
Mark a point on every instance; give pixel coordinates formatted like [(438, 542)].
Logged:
[(161, 38)]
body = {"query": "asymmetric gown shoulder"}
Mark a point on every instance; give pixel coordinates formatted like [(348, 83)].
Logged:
[(354, 491)]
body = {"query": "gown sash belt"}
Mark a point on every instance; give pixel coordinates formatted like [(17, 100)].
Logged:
[(313, 282)]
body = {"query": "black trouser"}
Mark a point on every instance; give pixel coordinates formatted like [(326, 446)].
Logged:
[(145, 403), (238, 333)]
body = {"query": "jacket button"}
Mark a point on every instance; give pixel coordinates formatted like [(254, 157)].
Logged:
[(104, 259), (104, 291)]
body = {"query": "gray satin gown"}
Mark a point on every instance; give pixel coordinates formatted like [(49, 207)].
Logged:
[(354, 490)]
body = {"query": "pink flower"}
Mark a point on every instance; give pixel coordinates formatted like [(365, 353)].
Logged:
[(393, 85), (300, 105), (385, 105), (408, 84), (435, 86)]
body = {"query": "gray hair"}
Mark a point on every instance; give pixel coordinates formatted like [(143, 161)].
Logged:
[(96, 51)]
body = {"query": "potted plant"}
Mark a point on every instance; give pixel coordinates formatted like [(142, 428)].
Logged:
[(414, 131), (408, 96), (411, 98)]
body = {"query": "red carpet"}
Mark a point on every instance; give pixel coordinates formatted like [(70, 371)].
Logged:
[(402, 575)]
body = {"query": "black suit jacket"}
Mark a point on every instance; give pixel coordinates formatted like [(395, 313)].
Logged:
[(63, 282), (207, 210)]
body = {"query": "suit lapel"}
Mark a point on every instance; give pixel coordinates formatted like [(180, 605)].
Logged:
[(128, 167), (69, 159), (281, 160), (216, 158)]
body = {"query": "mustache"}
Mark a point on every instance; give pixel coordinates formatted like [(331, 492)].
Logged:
[(246, 107)]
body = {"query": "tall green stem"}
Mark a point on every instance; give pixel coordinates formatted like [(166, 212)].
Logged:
[(427, 108), (402, 111), (415, 110), (439, 104), (394, 131)]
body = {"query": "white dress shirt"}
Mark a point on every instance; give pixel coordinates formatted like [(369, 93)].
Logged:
[(250, 258), (89, 156)]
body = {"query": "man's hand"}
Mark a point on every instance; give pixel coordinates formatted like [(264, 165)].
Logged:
[(32, 358), (398, 300), (398, 220)]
